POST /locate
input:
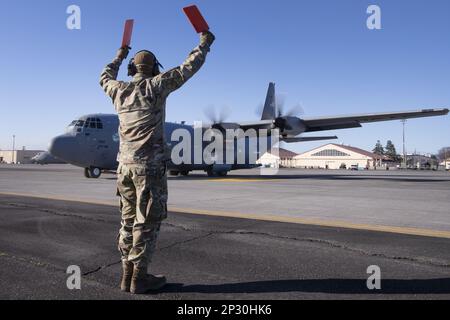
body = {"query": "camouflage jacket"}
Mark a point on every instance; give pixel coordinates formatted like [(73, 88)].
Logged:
[(141, 105)]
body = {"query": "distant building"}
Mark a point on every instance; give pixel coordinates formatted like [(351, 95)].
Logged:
[(336, 156), (278, 158), (18, 156), (420, 161), (445, 164)]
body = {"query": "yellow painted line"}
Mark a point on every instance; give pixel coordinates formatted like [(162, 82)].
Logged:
[(272, 217), (319, 222), (61, 198), (233, 180), (242, 180)]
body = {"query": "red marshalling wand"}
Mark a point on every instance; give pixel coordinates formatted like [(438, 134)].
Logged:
[(196, 18), (127, 32)]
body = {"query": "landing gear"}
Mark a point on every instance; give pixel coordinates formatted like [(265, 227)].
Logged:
[(212, 173), (176, 173), (92, 172), (222, 173)]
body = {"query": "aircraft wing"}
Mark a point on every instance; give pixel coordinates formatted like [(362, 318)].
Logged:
[(256, 125), (262, 124), (354, 121), (306, 139)]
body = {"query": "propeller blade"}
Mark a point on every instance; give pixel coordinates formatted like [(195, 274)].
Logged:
[(210, 113), (296, 111), (280, 101), (215, 116), (224, 114)]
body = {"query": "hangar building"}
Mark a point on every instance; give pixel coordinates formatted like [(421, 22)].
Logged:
[(335, 156), (17, 156)]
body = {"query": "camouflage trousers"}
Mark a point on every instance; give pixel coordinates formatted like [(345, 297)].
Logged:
[(143, 205)]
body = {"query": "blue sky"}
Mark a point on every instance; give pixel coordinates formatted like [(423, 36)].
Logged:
[(319, 53)]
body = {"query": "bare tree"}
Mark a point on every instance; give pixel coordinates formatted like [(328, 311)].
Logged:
[(444, 153)]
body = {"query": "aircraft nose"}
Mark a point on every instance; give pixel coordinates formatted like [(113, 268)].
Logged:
[(62, 147)]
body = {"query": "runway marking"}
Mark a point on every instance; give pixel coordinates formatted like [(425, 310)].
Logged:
[(268, 217), (319, 222), (62, 198), (242, 180)]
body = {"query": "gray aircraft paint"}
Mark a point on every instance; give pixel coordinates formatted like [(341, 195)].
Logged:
[(88, 147)]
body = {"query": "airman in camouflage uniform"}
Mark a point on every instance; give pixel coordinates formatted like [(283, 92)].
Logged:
[(142, 179)]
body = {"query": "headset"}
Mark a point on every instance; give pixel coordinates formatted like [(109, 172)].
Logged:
[(132, 70)]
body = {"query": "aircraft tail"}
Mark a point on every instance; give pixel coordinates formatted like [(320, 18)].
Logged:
[(269, 111)]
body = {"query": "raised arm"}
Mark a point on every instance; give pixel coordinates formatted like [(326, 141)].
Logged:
[(173, 79), (109, 75)]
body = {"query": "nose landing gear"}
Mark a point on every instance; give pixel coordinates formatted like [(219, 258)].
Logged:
[(92, 172)]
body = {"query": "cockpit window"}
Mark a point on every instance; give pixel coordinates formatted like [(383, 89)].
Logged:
[(92, 123), (99, 123), (87, 123)]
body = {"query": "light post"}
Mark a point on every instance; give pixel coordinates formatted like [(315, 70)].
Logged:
[(404, 148), (14, 148), (445, 158)]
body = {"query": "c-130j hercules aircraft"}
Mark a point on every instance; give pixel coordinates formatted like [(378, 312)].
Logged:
[(92, 141)]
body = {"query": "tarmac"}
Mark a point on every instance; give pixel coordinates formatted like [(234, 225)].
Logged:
[(297, 235)]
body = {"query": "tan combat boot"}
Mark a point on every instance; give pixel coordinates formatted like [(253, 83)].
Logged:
[(127, 274), (141, 282)]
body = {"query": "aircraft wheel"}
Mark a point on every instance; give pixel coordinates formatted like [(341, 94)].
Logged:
[(86, 173), (211, 173), (95, 173), (184, 173), (174, 173)]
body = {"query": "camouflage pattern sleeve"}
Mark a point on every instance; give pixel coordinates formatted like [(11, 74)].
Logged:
[(108, 78), (173, 79)]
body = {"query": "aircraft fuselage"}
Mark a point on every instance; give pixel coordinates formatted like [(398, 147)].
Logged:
[(92, 141)]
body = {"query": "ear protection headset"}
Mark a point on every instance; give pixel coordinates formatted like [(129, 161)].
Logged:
[(132, 70)]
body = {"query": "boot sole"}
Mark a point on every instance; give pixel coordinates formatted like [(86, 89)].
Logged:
[(148, 290)]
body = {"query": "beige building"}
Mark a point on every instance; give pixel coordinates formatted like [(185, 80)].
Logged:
[(17, 156), (446, 164), (277, 158), (335, 156)]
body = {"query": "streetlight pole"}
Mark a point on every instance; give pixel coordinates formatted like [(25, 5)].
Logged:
[(445, 158), (14, 148), (404, 148)]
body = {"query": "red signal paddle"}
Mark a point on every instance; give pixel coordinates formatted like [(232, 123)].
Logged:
[(196, 18)]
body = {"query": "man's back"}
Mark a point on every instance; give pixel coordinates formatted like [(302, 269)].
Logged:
[(141, 109), (141, 104)]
